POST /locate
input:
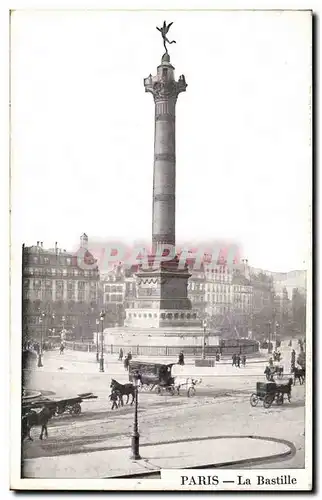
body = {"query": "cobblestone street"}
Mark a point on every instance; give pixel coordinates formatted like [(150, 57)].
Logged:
[(220, 408)]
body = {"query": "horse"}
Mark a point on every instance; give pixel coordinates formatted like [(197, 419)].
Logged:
[(285, 389), (123, 389), (298, 373), (34, 419), (178, 382)]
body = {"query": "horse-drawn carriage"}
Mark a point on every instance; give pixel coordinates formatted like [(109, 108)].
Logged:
[(160, 377), (152, 376), (270, 392)]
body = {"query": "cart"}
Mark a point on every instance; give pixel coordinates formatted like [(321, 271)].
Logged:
[(68, 405), (268, 392)]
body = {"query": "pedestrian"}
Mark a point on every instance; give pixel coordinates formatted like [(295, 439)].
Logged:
[(234, 358), (126, 362), (121, 354), (114, 397), (129, 356), (181, 359), (244, 360), (238, 361)]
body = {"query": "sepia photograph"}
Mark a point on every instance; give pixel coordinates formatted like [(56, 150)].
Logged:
[(161, 255)]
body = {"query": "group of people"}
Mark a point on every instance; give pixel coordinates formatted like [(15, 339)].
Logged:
[(127, 358), (238, 359)]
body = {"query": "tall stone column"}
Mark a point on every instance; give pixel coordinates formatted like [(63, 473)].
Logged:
[(165, 91)]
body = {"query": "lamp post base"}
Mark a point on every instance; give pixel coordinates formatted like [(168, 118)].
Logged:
[(101, 364), (135, 455), (40, 365)]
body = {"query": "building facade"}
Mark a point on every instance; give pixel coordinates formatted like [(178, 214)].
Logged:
[(113, 289), (229, 298), (57, 293)]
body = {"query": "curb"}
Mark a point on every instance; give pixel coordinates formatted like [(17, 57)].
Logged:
[(33, 395), (290, 453)]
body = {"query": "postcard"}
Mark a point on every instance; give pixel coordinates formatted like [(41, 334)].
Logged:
[(161, 268)]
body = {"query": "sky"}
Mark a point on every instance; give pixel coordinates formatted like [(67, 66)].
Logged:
[(82, 129)]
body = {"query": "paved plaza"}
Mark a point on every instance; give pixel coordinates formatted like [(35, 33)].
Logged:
[(211, 427)]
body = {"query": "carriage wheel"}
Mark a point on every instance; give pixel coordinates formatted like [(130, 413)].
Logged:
[(171, 389), (60, 409), (279, 399), (191, 392), (76, 409), (268, 400), (254, 400)]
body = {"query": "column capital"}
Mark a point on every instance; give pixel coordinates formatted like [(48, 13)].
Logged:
[(162, 90)]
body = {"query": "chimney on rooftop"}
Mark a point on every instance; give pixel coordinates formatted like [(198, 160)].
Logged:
[(84, 241)]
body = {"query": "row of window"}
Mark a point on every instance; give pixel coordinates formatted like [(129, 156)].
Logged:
[(113, 289), (40, 259), (164, 315), (114, 298), (59, 284), (219, 270), (218, 298), (49, 295), (218, 288), (219, 278), (218, 310), (244, 289), (60, 272)]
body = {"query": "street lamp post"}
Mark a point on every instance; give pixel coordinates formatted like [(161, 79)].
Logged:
[(40, 354), (102, 316), (135, 441), (269, 337), (97, 348), (204, 324)]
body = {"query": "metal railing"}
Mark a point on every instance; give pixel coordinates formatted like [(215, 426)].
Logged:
[(163, 351)]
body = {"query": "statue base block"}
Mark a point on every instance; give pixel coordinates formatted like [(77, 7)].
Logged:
[(205, 362)]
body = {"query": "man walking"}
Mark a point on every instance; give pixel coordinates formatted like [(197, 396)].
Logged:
[(114, 396)]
